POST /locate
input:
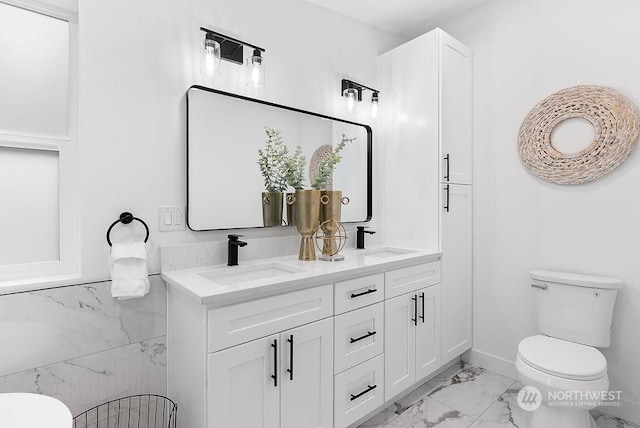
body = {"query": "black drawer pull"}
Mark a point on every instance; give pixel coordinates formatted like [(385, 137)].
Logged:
[(422, 316), (357, 339), (369, 389), (290, 369), (415, 309), (274, 376), (446, 189), (369, 291), (446, 158)]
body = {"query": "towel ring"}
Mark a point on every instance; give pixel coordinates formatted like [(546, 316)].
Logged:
[(126, 218)]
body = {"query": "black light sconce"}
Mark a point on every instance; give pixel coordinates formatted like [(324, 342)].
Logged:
[(352, 93), (216, 47)]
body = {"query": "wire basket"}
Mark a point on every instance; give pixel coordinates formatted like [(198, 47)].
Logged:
[(136, 411)]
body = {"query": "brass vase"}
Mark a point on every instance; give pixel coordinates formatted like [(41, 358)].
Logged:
[(272, 209), (330, 209), (291, 208), (307, 204)]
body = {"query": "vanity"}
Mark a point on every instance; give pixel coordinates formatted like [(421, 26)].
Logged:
[(280, 342), (284, 343)]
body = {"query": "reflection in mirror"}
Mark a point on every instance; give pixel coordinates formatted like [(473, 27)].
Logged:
[(225, 131)]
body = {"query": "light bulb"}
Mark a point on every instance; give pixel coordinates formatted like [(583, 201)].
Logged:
[(374, 105), (210, 56), (351, 98), (255, 65)]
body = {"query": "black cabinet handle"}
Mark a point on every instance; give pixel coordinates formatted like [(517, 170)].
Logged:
[(446, 189), (290, 369), (446, 158), (415, 309), (422, 316), (274, 376), (369, 389), (369, 291), (357, 339)]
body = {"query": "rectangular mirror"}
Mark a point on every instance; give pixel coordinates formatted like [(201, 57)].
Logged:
[(224, 133)]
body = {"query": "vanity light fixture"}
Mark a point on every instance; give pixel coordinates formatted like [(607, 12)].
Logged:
[(352, 93), (216, 47)]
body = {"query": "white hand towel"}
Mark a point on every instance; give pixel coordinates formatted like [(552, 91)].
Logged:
[(129, 275)]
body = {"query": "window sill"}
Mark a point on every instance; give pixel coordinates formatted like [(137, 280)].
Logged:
[(35, 284)]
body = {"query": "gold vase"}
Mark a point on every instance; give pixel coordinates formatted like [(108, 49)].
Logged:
[(272, 209), (307, 204), (330, 209), (291, 209)]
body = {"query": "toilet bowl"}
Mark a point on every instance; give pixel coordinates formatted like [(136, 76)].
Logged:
[(574, 316), (22, 410), (571, 378)]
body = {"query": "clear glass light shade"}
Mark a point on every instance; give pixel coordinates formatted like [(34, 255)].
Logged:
[(374, 108), (255, 70), (350, 100), (210, 57)]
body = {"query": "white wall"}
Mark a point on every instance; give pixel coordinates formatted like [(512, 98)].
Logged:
[(524, 51), (137, 60)]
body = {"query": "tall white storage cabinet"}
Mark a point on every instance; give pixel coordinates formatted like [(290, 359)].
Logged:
[(425, 139)]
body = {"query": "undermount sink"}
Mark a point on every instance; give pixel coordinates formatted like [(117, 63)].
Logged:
[(235, 274), (385, 252)]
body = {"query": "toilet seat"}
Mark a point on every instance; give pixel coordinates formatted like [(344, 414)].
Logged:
[(25, 410), (562, 358)]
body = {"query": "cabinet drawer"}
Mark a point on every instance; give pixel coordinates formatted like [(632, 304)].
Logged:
[(240, 323), (359, 336), (359, 292), (409, 279), (354, 392)]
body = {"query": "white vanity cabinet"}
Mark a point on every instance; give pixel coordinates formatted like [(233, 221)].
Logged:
[(413, 338), (328, 355), (425, 135), (283, 380), (455, 80), (456, 271)]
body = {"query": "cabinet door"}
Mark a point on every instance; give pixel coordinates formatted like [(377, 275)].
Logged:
[(400, 344), (456, 271), (241, 392), (455, 110), (307, 376), (428, 332)]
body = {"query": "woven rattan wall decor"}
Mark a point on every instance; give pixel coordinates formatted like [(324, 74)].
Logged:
[(616, 124)]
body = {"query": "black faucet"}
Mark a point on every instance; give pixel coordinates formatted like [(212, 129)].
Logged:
[(234, 243), (360, 236)]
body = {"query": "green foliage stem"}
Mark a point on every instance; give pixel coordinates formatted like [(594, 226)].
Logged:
[(272, 161), (295, 166)]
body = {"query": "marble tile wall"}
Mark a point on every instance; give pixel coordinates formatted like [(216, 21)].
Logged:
[(82, 346)]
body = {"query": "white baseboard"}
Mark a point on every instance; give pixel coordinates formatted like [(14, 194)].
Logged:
[(491, 362), (628, 411)]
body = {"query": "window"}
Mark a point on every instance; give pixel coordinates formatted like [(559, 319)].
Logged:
[(39, 218)]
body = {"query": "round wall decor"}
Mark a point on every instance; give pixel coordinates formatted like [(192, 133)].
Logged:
[(615, 121)]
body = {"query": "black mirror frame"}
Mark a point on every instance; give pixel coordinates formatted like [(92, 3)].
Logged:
[(322, 116)]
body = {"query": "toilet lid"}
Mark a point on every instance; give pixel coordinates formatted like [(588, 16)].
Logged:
[(562, 358), (33, 411)]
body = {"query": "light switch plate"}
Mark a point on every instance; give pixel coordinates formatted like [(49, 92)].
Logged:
[(170, 218)]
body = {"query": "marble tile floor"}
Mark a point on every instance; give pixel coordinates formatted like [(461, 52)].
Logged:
[(465, 396)]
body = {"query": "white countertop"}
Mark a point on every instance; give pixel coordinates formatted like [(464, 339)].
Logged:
[(356, 263)]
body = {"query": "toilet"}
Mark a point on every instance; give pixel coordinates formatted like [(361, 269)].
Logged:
[(574, 314), (24, 410)]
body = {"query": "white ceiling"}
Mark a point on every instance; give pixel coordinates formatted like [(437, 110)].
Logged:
[(407, 18)]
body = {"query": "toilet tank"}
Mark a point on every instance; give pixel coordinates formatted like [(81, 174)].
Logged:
[(574, 307)]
